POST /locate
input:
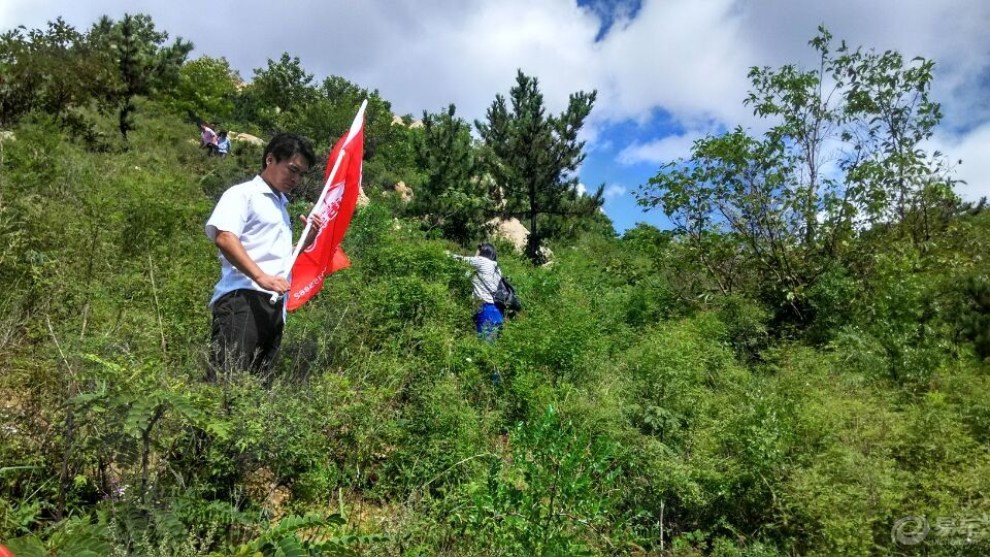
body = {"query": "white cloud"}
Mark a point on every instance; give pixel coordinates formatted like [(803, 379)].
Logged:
[(682, 55), (659, 151), (614, 190), (972, 149)]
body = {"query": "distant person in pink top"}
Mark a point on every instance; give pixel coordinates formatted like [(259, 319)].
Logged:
[(208, 138)]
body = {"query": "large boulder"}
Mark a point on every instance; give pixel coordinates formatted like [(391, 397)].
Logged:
[(516, 233), (246, 138), (509, 229)]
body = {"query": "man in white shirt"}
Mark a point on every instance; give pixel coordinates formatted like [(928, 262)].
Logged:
[(251, 227)]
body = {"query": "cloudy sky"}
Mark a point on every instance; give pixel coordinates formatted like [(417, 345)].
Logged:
[(666, 71)]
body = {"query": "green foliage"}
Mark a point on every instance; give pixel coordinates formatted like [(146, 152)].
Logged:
[(671, 371), (282, 86), (57, 71), (206, 89), (789, 219), (303, 536), (974, 313), (144, 65), (829, 301), (533, 156), (746, 326), (453, 197), (654, 398), (77, 536), (552, 496)]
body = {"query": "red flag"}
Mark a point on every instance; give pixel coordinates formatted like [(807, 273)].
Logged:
[(335, 208)]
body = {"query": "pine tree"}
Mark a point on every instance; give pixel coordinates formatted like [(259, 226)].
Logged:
[(453, 197), (533, 156), (144, 66)]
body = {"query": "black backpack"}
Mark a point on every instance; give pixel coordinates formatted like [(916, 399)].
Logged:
[(505, 296)]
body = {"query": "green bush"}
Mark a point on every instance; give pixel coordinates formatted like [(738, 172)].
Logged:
[(553, 496)]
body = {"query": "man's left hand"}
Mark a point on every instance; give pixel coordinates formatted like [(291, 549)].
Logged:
[(317, 221)]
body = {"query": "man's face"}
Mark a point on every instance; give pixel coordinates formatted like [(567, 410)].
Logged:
[(285, 175)]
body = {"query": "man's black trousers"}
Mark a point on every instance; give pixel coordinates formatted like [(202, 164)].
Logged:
[(247, 332)]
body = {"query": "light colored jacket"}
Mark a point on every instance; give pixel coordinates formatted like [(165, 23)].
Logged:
[(486, 276)]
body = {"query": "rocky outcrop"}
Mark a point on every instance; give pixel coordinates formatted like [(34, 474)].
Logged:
[(400, 121), (509, 229), (246, 138), (516, 233), (404, 192)]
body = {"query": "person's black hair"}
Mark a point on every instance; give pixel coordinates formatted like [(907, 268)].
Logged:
[(487, 250), (285, 146)]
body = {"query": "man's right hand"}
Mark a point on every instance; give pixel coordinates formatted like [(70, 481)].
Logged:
[(273, 283), (231, 247)]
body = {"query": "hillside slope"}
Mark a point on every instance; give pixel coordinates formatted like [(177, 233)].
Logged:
[(619, 414)]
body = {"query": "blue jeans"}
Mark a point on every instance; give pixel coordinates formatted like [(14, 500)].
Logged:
[(488, 321)]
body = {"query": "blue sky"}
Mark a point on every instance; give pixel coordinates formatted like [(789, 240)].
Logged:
[(667, 72)]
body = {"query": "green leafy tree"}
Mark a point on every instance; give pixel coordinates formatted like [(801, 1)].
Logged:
[(284, 84), (895, 178), (878, 110), (53, 70), (393, 158), (861, 114), (278, 89), (328, 110), (145, 66), (206, 89), (380, 133), (452, 197), (533, 156)]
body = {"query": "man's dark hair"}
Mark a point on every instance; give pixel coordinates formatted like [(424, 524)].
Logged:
[(285, 146), (487, 250)]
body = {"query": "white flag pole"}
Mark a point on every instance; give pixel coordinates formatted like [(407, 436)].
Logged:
[(355, 125)]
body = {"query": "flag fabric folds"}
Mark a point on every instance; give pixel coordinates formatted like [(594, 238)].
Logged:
[(335, 207)]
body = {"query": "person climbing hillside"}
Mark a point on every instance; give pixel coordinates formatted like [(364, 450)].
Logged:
[(488, 319), (223, 144), (207, 138)]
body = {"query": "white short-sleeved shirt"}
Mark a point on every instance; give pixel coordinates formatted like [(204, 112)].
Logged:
[(258, 216)]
